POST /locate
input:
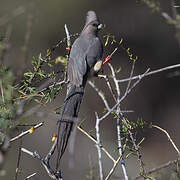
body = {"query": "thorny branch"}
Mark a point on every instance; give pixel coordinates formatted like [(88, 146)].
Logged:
[(124, 96), (129, 130), (119, 124), (118, 100), (119, 140), (128, 90)]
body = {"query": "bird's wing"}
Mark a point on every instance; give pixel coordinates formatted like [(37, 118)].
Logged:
[(77, 66), (82, 58), (94, 52)]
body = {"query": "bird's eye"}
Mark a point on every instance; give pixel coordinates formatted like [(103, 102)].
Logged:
[(95, 25)]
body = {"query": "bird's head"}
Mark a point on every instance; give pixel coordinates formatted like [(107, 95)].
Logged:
[(92, 23)]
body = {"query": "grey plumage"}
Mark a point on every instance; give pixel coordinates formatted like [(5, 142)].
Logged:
[(85, 52)]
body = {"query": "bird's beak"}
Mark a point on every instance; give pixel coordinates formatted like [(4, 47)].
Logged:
[(100, 26)]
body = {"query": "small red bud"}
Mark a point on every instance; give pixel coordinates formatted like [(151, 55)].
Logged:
[(68, 48), (31, 130), (54, 137), (106, 60)]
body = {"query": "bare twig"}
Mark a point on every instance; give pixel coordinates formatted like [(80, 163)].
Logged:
[(120, 148), (53, 174), (130, 78), (27, 152), (113, 168), (100, 94), (169, 138), (150, 73), (30, 176), (115, 162), (117, 108), (159, 167), (61, 83), (142, 170), (119, 125), (123, 97), (51, 152), (109, 85), (113, 52), (166, 17), (115, 81), (98, 122), (113, 74), (26, 132), (95, 141), (19, 158), (126, 124), (109, 57), (128, 90), (68, 36), (98, 145), (63, 40), (56, 175)]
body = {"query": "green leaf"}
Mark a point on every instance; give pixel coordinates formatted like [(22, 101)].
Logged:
[(28, 74)]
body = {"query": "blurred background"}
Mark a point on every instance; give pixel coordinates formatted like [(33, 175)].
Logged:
[(155, 99)]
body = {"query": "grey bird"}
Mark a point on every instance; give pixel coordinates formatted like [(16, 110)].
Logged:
[(86, 52)]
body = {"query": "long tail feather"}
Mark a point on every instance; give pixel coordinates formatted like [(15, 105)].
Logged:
[(69, 114)]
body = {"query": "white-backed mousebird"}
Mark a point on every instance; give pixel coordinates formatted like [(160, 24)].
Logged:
[(86, 51)]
